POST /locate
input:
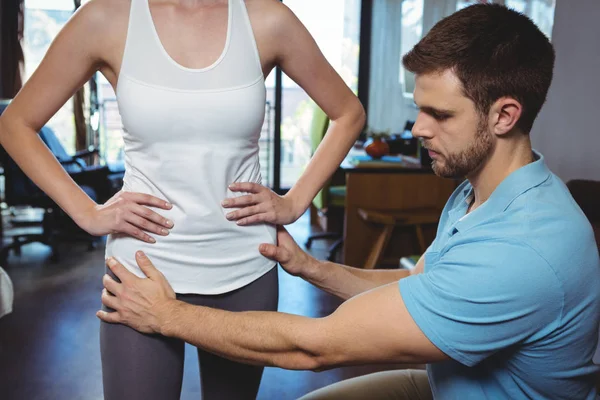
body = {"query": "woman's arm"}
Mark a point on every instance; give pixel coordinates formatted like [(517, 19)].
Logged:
[(301, 59), (297, 53), (77, 52)]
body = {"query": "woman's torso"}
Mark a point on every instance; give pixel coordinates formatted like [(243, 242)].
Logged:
[(188, 134)]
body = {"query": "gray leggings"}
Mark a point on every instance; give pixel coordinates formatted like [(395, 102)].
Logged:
[(137, 366)]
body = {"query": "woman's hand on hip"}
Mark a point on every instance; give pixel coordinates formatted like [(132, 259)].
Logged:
[(261, 204), (127, 212)]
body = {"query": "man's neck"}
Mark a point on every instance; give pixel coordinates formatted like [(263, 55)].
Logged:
[(505, 159)]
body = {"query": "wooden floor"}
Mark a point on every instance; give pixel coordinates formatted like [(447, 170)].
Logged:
[(49, 346)]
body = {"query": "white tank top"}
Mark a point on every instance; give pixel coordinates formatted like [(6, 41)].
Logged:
[(188, 134)]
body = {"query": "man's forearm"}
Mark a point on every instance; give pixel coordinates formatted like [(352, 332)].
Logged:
[(258, 338), (346, 282)]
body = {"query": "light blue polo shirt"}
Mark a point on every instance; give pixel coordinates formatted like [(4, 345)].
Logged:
[(511, 293)]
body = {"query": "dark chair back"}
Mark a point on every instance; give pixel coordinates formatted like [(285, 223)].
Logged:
[(18, 188), (587, 195)]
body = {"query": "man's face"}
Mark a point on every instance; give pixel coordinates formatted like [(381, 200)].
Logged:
[(457, 136)]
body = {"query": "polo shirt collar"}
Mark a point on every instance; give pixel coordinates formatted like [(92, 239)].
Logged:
[(514, 185)]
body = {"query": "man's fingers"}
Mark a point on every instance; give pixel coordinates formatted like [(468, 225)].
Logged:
[(110, 317), (148, 200), (283, 235), (146, 266), (246, 187), (111, 285), (275, 253), (109, 300), (119, 270)]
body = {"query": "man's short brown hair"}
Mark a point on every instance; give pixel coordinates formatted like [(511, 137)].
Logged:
[(495, 52)]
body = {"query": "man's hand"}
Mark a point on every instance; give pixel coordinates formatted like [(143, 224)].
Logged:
[(260, 205), (291, 257), (141, 303)]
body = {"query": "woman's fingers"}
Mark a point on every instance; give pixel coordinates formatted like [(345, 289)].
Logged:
[(133, 217), (155, 218), (248, 187), (147, 200), (245, 212), (132, 230), (241, 201), (145, 224)]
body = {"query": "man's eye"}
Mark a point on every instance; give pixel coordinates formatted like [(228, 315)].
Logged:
[(440, 117)]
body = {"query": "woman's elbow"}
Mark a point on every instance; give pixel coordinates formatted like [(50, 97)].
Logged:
[(360, 115), (8, 126)]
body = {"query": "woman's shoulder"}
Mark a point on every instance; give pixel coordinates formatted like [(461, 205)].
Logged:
[(108, 5), (105, 19), (100, 27), (271, 15), (104, 13)]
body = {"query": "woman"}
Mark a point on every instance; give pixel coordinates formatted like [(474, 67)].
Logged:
[(189, 77)]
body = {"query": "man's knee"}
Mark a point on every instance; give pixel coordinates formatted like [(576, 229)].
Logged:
[(400, 384)]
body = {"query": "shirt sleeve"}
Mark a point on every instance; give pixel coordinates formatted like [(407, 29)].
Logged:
[(482, 297)]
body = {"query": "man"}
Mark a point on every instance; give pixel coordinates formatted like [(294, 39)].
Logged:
[(506, 301)]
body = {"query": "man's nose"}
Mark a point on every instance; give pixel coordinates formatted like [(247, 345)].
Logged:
[(420, 129)]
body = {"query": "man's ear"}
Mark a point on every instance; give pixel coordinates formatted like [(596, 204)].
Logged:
[(504, 115)]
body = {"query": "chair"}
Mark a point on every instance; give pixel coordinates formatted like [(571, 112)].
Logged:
[(330, 198), (30, 207), (586, 194), (387, 221)]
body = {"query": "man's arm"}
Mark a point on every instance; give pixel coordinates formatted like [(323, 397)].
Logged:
[(374, 327), (346, 282), (340, 280)]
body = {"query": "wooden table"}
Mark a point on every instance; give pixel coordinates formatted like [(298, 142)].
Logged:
[(387, 186)]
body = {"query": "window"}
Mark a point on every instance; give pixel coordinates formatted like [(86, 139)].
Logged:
[(540, 11), (412, 31), (43, 20), (390, 85), (460, 4)]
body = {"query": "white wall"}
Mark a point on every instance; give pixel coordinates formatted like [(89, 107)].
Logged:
[(567, 130)]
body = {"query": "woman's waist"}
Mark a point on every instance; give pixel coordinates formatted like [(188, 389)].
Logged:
[(212, 248), (207, 226), (206, 182), (187, 181), (181, 159)]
